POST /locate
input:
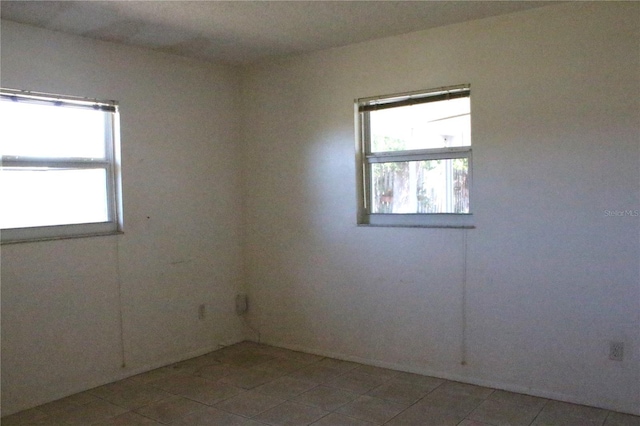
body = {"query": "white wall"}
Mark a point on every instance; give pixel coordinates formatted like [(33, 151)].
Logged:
[(550, 279), (181, 246)]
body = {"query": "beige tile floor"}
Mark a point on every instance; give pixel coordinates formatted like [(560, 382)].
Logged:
[(250, 384)]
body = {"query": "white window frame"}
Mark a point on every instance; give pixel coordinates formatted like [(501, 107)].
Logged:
[(111, 164), (365, 158)]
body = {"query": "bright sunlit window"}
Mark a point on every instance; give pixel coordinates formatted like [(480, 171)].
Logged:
[(415, 155), (59, 175)]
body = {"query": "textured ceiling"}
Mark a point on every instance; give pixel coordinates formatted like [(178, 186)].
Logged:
[(240, 32)]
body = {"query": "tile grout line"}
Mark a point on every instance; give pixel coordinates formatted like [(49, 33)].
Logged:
[(539, 412), (248, 360), (431, 391)]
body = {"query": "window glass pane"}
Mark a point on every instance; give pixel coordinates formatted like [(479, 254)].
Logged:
[(43, 197), (45, 130), (441, 124), (429, 186)]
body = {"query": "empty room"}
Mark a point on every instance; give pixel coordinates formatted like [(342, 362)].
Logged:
[(320, 213)]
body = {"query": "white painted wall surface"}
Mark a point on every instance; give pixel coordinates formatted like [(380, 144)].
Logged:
[(181, 246), (550, 278)]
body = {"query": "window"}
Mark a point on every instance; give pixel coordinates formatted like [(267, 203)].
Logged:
[(59, 174), (414, 158)]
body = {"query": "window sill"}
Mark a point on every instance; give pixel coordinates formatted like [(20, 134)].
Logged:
[(58, 237), (440, 220), (367, 225)]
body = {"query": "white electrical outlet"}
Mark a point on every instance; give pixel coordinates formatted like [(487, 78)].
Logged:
[(202, 311), (616, 351)]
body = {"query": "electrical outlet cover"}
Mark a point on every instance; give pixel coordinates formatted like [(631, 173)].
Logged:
[(616, 351)]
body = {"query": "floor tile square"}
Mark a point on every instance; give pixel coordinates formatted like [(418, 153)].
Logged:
[(285, 387), (170, 409), (128, 419), (213, 417), (456, 404), (247, 379), (136, 397), (400, 392), (216, 372), (372, 409), (468, 422), (291, 414), (252, 384), (502, 413), (326, 398), (518, 399), (178, 383), (110, 389), (249, 404), (356, 382), (427, 382), (211, 393), (566, 414), (315, 373), (425, 415), (87, 414), (68, 403), (620, 419), (335, 419)]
